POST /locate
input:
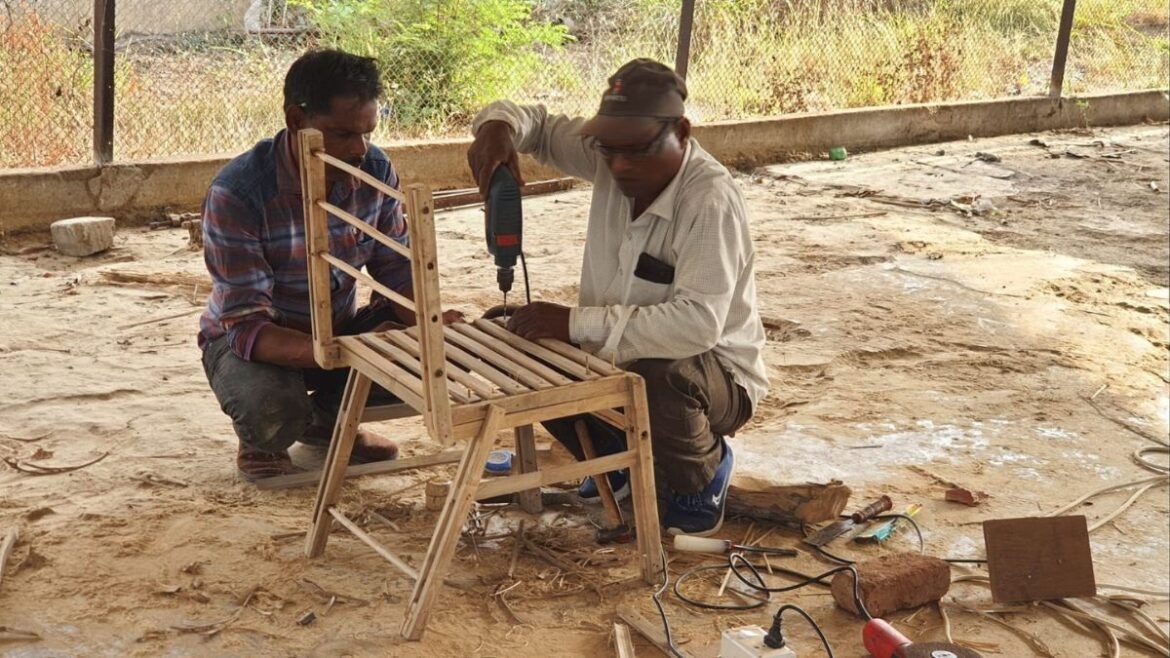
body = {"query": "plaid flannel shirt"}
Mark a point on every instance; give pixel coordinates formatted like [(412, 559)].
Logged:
[(254, 244)]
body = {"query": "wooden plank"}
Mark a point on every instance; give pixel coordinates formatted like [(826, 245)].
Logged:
[(1038, 559), (564, 364), (374, 233), (509, 352), (613, 513), (410, 344), (373, 543), (501, 486), (504, 364), (526, 459), (584, 358), (385, 374), (514, 403), (388, 412), (354, 470), (446, 537), (481, 368), (317, 244), (353, 400), (653, 632), (791, 503), (576, 355), (470, 196), (538, 414), (367, 178), (424, 267), (370, 281), (613, 418), (642, 486), (623, 643), (379, 344)]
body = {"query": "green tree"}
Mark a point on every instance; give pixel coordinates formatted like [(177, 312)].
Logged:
[(441, 59)]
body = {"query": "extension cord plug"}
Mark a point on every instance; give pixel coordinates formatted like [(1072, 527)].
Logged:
[(748, 642)]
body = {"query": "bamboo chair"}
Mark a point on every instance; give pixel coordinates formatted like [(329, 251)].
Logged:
[(468, 381)]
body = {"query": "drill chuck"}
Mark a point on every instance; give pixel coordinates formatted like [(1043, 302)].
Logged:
[(504, 277)]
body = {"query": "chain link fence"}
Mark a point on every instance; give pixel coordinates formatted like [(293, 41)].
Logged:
[(46, 83), (204, 76), (200, 77)]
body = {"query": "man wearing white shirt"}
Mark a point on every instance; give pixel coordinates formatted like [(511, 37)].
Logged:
[(667, 283)]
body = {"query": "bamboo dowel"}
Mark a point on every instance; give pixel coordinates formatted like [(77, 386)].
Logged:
[(397, 298), (365, 228), (363, 176), (373, 543)]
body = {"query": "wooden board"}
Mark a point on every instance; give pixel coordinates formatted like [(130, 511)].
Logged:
[(790, 503), (294, 480), (1036, 559), (651, 629)]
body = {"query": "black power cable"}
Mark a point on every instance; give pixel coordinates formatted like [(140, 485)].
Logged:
[(527, 289), (775, 636), (657, 596)]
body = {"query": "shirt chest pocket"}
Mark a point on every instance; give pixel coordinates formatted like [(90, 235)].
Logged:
[(652, 281)]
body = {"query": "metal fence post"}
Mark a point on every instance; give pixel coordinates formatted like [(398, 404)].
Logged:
[(103, 81), (686, 24), (1056, 86)]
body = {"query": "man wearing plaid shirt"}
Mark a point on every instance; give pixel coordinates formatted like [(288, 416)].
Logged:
[(255, 334)]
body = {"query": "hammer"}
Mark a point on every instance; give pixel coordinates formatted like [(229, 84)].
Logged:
[(615, 529)]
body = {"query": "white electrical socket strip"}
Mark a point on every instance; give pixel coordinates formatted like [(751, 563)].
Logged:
[(748, 642)]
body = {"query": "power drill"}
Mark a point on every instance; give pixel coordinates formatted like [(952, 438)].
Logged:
[(503, 225)]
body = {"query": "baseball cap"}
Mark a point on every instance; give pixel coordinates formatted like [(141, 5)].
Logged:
[(641, 89)]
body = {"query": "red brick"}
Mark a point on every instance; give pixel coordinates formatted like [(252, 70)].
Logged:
[(894, 582)]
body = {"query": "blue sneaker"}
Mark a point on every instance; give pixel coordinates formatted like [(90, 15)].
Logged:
[(619, 481), (701, 514)]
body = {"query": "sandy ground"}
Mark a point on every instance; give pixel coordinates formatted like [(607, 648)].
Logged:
[(909, 342)]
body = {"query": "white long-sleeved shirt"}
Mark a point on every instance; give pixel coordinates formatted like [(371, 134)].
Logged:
[(698, 225)]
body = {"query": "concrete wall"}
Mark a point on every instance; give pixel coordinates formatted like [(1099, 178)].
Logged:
[(30, 199)]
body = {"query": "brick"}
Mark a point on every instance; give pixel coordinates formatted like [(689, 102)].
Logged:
[(894, 582), (83, 236)]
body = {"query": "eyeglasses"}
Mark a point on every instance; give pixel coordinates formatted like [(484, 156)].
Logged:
[(637, 152)]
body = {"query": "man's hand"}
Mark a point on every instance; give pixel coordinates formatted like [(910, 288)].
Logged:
[(452, 316), (492, 147), (541, 320)]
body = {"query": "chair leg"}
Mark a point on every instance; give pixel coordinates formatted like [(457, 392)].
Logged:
[(526, 457), (446, 537), (642, 489), (349, 415)]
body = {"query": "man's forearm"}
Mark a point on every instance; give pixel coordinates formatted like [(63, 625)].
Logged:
[(284, 347)]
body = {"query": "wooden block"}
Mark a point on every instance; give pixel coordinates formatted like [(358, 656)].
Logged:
[(83, 236), (437, 492), (788, 503), (1036, 559)]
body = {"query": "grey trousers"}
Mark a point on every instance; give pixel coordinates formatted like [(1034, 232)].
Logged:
[(271, 406), (693, 403)]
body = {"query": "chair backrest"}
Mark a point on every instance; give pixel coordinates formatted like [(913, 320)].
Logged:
[(424, 269)]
